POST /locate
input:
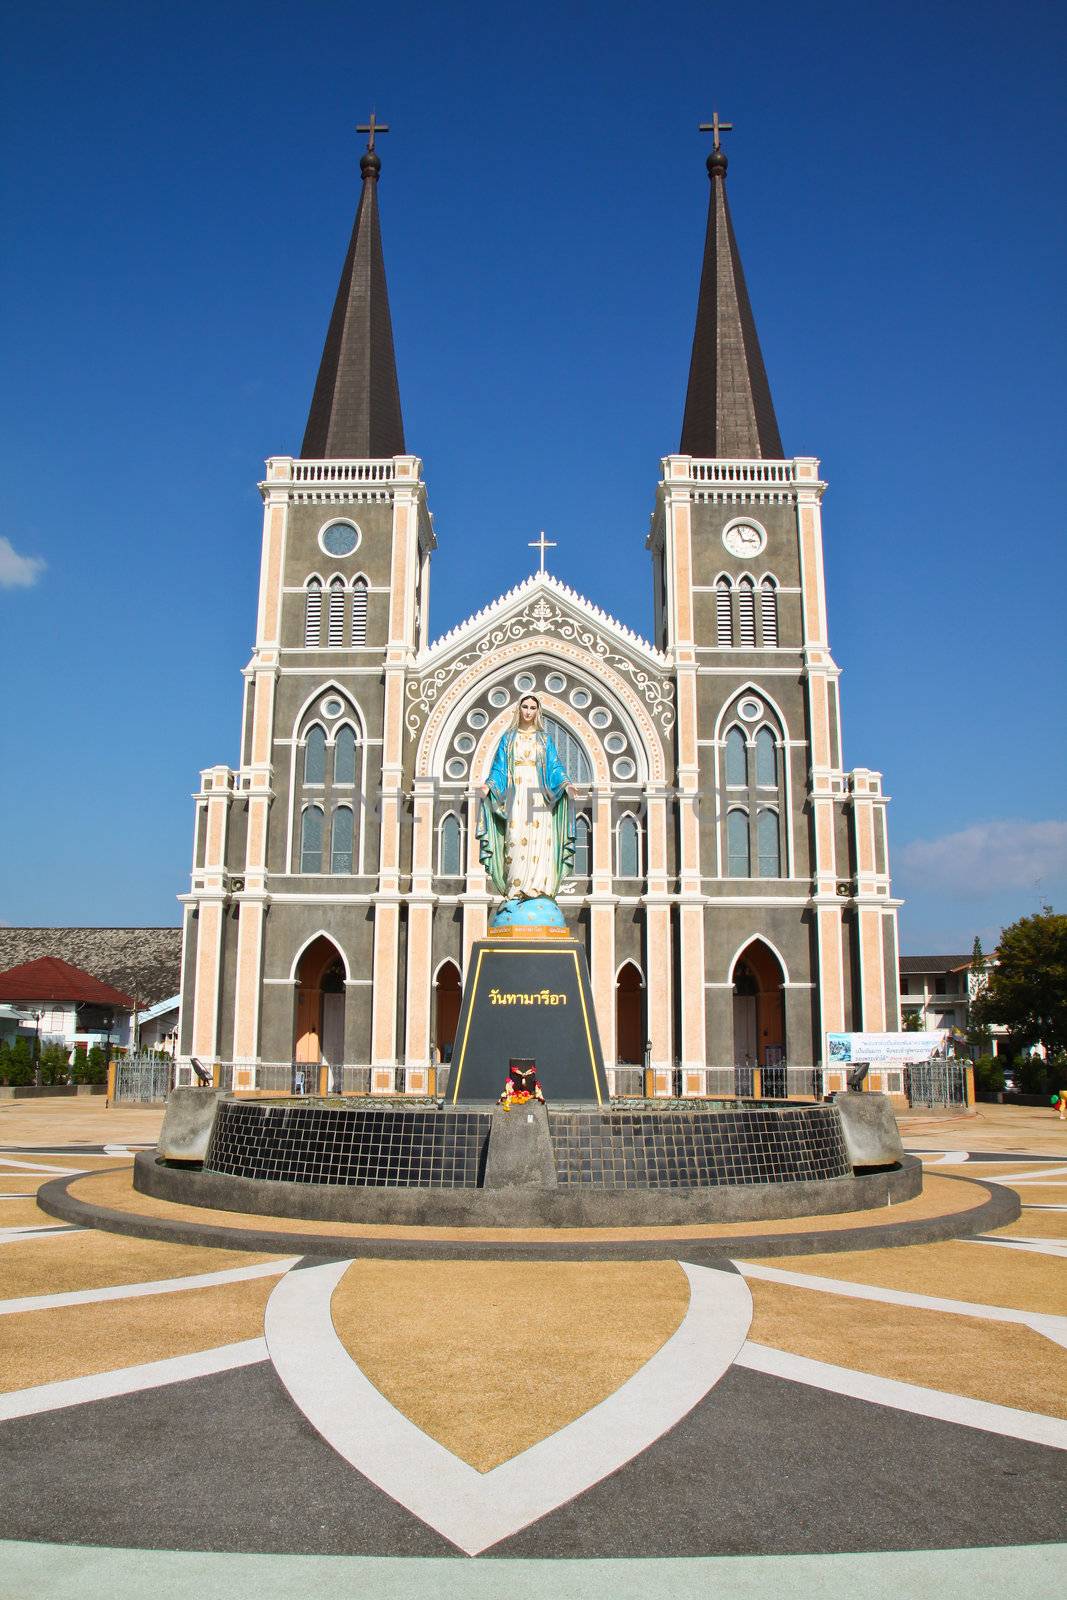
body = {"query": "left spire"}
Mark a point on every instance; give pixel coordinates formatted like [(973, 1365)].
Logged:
[(355, 410)]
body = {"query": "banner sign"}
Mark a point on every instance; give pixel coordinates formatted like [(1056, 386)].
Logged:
[(892, 1049)]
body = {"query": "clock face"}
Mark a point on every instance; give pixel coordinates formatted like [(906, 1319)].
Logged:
[(744, 539)]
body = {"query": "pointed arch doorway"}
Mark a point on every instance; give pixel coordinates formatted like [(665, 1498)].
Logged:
[(319, 1038), (446, 1009), (629, 1016), (759, 1014)]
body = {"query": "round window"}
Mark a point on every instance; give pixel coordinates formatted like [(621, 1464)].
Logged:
[(580, 698), (555, 683), (455, 768), (750, 709), (615, 743), (524, 682), (340, 538), (332, 708), (623, 768), (498, 697), (600, 717), (465, 743), (477, 718)]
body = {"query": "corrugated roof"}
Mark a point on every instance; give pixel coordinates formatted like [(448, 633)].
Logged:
[(910, 964), (49, 978), (142, 962)]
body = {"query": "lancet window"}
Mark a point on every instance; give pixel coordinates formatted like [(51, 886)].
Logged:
[(327, 762), (313, 614), (359, 611), (335, 627), (311, 824), (583, 847), (315, 755), (746, 613), (768, 603), (628, 863), (450, 860), (724, 621), (753, 776), (342, 834)]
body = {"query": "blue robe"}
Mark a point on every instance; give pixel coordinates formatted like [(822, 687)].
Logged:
[(496, 807)]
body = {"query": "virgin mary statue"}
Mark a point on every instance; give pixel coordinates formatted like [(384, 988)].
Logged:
[(526, 825)]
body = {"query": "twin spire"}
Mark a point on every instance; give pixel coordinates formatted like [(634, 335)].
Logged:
[(355, 410)]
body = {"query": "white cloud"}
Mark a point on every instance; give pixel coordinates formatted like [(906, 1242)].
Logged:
[(988, 858), (18, 572)]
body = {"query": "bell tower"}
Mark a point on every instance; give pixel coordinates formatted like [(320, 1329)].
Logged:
[(775, 840)]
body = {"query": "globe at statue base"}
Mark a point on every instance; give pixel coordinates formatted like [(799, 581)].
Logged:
[(527, 916)]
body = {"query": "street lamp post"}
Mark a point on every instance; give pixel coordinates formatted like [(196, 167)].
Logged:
[(37, 1015)]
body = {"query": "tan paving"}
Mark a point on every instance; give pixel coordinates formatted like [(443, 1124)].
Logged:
[(940, 1197), (24, 1214), (79, 1119), (91, 1260), (1000, 1362), (74, 1341), (490, 1357), (979, 1273), (1038, 1225), (992, 1127)]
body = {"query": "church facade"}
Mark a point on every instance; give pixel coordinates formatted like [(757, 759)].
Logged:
[(731, 880)]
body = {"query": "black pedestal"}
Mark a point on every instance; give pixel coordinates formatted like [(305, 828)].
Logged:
[(528, 999)]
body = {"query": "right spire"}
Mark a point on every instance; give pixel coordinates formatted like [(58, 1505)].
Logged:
[(728, 408)]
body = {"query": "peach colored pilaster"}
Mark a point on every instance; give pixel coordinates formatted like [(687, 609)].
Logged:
[(268, 627), (386, 950), (602, 976), (658, 982), (475, 924), (263, 716), (691, 935), (831, 971), (602, 843), (249, 962), (208, 971), (872, 987), (417, 1032)]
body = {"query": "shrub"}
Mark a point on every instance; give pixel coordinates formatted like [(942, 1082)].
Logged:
[(53, 1064), (1032, 1075), (16, 1063), (988, 1075)]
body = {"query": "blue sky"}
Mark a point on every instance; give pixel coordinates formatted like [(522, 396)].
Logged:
[(179, 184)]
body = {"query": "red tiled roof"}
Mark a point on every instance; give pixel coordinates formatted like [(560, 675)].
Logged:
[(49, 978)]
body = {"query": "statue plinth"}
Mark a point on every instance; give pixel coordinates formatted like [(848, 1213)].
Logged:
[(528, 996)]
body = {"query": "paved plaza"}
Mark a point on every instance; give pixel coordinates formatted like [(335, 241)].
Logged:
[(204, 1401)]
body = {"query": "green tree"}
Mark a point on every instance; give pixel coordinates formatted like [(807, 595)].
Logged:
[(53, 1064), (979, 1036), (17, 1065), (1027, 989), (911, 1022)]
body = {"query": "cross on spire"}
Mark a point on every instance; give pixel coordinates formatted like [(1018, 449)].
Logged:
[(542, 544), (371, 128), (715, 127)]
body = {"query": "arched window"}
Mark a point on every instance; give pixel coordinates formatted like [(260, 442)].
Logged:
[(311, 840), (359, 611), (583, 847), (770, 859), (736, 759), (766, 760), (629, 865), (451, 846), (341, 840), (315, 755), (740, 865), (335, 627), (576, 763), (724, 624), (344, 755), (768, 602), (746, 613), (313, 614)]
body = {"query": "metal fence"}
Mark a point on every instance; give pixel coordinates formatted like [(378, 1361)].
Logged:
[(142, 1078), (936, 1083)]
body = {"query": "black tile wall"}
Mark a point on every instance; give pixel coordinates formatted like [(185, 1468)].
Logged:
[(393, 1148), (696, 1149)]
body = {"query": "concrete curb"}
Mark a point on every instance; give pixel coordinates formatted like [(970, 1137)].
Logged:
[(997, 1207)]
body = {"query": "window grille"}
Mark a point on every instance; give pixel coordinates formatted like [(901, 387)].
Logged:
[(768, 600), (737, 844), (766, 760), (746, 613), (311, 840), (313, 615), (724, 628), (315, 755), (576, 763), (344, 756), (341, 840), (359, 611), (736, 759), (770, 863)]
